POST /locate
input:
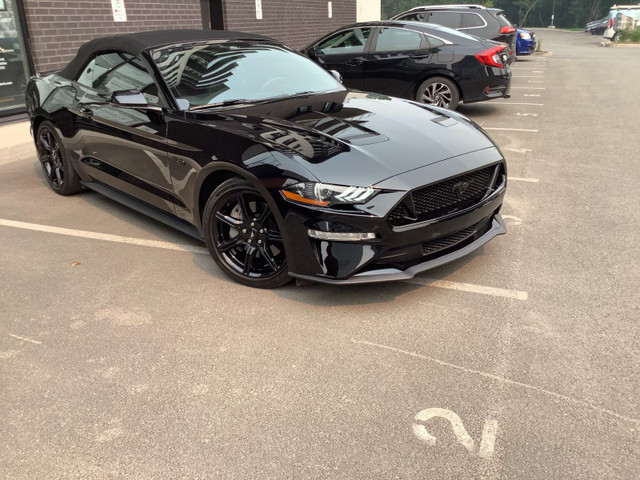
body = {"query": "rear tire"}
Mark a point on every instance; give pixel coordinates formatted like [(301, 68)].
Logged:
[(61, 176), (243, 235), (440, 92)]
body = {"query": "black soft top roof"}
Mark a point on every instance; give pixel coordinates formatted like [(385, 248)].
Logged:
[(136, 43)]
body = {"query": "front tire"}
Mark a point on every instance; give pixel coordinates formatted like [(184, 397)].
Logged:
[(243, 235), (61, 176), (440, 92)]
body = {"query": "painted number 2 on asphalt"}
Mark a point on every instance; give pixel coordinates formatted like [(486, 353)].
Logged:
[(487, 442)]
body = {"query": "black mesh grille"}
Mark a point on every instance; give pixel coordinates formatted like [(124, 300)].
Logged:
[(448, 240), (443, 198)]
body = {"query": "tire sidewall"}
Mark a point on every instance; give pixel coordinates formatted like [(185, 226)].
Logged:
[(455, 94), (71, 181), (219, 195)]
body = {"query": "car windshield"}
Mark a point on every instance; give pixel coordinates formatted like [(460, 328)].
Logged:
[(211, 74)]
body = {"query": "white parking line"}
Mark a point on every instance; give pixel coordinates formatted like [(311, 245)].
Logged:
[(103, 236), (25, 339), (469, 287), (516, 103), (518, 150), (523, 179), (502, 379), (496, 292), (500, 129)]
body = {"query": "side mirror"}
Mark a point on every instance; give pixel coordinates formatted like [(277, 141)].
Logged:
[(335, 74), (131, 98)]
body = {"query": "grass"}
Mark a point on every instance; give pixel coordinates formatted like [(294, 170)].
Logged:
[(629, 36)]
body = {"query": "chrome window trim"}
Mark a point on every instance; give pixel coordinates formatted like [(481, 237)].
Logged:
[(446, 42)]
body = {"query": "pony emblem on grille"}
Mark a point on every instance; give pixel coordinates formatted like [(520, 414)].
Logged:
[(460, 187)]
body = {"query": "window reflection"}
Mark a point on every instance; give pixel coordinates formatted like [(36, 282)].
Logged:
[(13, 61), (210, 73)]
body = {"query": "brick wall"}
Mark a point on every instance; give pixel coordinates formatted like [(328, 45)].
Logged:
[(57, 28), (294, 22)]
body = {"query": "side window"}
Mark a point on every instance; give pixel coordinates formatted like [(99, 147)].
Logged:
[(111, 72), (448, 19), (471, 20), (86, 77), (415, 17), (348, 41), (397, 39), (435, 42)]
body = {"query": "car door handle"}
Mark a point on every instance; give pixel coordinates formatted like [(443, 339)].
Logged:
[(85, 112), (355, 62), (419, 56)]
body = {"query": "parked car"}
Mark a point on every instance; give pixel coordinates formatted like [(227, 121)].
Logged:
[(477, 20), (597, 27), (525, 42), (424, 62), (282, 171), (621, 17)]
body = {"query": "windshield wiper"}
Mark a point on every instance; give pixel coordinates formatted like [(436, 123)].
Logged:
[(245, 101), (237, 101)]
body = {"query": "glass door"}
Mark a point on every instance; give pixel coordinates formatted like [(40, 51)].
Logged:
[(14, 66)]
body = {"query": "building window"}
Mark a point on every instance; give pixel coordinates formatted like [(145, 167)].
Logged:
[(14, 67)]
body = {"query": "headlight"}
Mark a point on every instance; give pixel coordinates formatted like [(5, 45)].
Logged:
[(525, 36), (324, 195)]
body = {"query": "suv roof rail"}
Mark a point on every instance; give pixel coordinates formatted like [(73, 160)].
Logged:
[(436, 7)]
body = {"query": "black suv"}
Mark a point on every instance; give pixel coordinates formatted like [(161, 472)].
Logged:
[(476, 20)]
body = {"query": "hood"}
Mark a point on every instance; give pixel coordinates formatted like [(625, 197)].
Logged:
[(354, 138)]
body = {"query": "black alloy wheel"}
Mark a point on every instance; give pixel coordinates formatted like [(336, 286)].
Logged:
[(439, 92), (61, 176), (243, 236)]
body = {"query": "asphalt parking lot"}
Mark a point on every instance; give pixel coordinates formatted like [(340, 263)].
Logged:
[(125, 353)]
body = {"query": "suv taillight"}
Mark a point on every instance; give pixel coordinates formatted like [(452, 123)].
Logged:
[(509, 29), (491, 56), (611, 23)]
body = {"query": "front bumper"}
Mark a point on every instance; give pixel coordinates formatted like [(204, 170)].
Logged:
[(398, 252), (394, 274), (526, 47)]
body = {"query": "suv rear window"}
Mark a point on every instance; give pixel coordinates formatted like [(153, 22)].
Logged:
[(504, 22), (471, 20)]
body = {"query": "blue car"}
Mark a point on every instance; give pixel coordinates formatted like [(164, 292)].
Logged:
[(525, 42)]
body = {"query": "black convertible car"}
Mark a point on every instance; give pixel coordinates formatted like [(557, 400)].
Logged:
[(247, 144), (425, 62)]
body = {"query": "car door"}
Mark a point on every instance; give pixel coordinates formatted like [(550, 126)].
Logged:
[(123, 147), (344, 52), (397, 61)]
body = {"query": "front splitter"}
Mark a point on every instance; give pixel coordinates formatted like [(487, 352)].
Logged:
[(394, 274)]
